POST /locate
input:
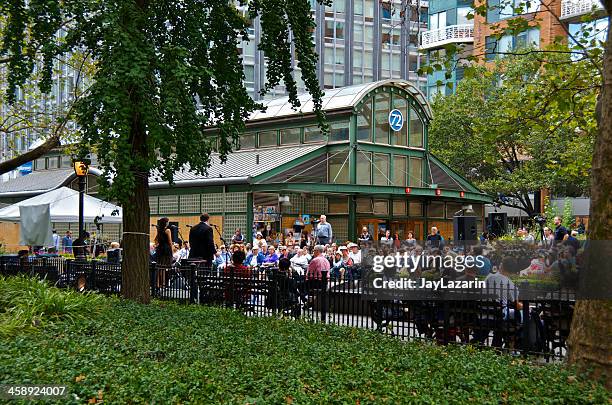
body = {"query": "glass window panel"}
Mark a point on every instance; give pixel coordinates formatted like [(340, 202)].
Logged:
[(364, 122), (416, 172), (249, 48), (400, 170), (313, 134), (247, 141), (358, 58), (381, 169), (267, 138), (369, 8), (364, 167), (329, 28), (381, 207), (416, 129), (368, 61), (339, 30), (249, 74), (533, 37), (338, 168), (340, 6), (358, 33), (382, 118), (358, 7), (436, 209), (442, 19), (399, 207), (339, 56), (290, 136), (364, 205), (415, 209), (400, 137), (369, 34), (462, 13), (338, 205), (339, 131), (386, 61)]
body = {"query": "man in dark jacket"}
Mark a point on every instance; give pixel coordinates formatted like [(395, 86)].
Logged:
[(202, 241)]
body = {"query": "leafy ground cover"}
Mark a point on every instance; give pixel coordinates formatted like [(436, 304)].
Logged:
[(122, 352)]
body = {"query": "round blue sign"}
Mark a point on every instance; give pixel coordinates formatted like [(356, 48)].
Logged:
[(396, 120)]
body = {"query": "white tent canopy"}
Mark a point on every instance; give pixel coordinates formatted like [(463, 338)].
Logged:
[(64, 203)]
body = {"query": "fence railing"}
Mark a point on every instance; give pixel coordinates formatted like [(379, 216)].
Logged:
[(538, 325), (575, 8), (445, 35)]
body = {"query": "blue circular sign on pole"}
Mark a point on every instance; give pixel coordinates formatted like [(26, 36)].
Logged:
[(396, 120)]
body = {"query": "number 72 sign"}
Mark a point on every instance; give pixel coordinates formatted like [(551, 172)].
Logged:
[(396, 120)]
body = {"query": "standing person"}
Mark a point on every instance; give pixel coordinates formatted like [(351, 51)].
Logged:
[(365, 235), (549, 238), (79, 246), (163, 251), (410, 241), (386, 238), (560, 230), (202, 241), (56, 241), (238, 237), (434, 239), (67, 242), (318, 264), (324, 232)]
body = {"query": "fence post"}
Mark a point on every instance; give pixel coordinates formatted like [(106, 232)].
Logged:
[(192, 283), (232, 287), (93, 275), (324, 296), (153, 278), (525, 337), (445, 310), (275, 296)]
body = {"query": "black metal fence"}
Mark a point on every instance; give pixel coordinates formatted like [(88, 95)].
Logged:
[(538, 324)]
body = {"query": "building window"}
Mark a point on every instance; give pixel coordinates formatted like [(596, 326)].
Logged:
[(313, 134), (339, 131), (381, 169), (247, 141), (364, 168), (338, 169), (437, 20), (462, 13), (381, 207), (400, 171), (416, 129), (436, 209), (399, 208), (268, 138), (290, 136), (338, 205), (364, 206), (249, 74), (399, 137), (364, 122), (416, 172), (381, 104), (415, 209)]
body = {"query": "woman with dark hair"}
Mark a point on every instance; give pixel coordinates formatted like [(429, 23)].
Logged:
[(163, 251)]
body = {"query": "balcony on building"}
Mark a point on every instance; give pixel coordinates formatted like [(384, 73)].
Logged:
[(460, 33), (575, 10)]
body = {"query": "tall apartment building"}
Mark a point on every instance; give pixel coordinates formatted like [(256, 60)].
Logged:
[(548, 20), (358, 41)]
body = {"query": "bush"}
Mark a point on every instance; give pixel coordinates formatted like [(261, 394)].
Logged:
[(166, 353), (29, 304)]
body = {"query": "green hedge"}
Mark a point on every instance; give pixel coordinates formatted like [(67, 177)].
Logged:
[(165, 353)]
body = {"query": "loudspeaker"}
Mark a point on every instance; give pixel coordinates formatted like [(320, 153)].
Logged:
[(498, 223), (464, 229)]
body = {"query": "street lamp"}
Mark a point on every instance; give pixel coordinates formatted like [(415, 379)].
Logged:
[(81, 168)]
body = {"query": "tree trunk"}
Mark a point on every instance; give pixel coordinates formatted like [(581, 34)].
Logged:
[(135, 266), (590, 342), (12, 164)]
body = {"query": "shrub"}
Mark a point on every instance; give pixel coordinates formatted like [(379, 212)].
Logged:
[(28, 303), (166, 353)]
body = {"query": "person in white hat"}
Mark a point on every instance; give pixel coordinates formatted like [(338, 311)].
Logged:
[(355, 253)]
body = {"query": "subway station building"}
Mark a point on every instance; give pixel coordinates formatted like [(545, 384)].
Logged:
[(362, 173)]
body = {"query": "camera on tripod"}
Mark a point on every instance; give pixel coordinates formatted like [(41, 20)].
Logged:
[(540, 220)]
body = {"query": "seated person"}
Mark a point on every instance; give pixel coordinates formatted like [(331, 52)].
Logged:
[(299, 262), (255, 258), (271, 258), (237, 291)]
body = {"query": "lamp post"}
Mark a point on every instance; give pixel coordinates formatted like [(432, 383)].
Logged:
[(81, 167)]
